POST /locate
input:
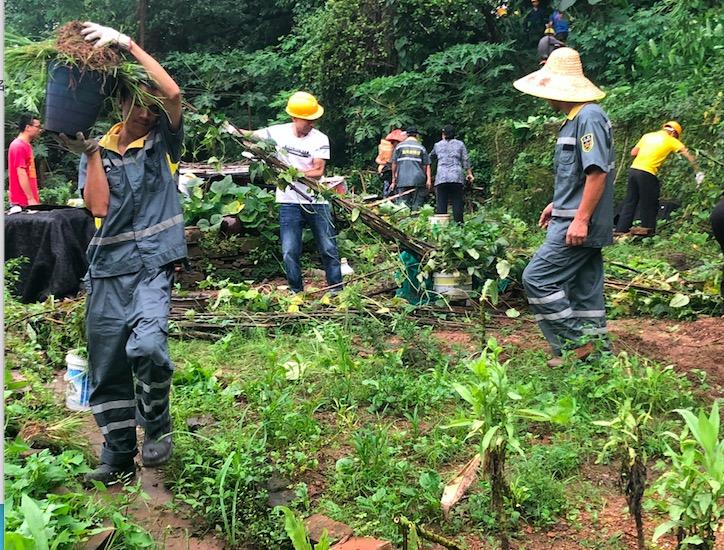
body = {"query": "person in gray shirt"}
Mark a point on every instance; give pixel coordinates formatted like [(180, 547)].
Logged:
[(453, 169), (564, 279)]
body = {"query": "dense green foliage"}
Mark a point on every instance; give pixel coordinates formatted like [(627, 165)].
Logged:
[(350, 419), (377, 65)]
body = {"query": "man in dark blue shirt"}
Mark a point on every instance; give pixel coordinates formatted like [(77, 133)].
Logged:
[(411, 170)]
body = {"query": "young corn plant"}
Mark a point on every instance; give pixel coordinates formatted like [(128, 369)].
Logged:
[(495, 413), (625, 442), (693, 486)]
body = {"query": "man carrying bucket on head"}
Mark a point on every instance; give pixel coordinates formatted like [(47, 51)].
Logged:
[(127, 179), (564, 279)]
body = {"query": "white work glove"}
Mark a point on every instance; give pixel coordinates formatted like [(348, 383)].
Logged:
[(699, 178), (105, 36)]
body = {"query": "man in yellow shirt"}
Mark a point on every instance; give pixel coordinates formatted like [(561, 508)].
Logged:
[(643, 186)]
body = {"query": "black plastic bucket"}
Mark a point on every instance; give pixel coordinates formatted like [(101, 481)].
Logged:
[(73, 99)]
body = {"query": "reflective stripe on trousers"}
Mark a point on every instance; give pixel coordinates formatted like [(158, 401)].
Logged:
[(129, 367), (564, 286)]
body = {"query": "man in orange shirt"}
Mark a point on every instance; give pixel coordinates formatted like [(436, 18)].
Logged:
[(23, 188), (643, 186)]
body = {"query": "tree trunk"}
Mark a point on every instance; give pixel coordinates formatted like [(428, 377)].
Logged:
[(499, 489), (491, 24), (142, 17), (635, 485)]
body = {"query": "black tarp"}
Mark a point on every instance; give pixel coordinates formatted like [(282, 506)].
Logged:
[(54, 242)]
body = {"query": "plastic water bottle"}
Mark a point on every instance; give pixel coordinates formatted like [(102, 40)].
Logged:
[(345, 267)]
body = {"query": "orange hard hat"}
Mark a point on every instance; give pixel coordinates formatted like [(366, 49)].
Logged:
[(674, 126)]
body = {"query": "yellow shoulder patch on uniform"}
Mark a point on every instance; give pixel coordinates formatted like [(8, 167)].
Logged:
[(587, 143)]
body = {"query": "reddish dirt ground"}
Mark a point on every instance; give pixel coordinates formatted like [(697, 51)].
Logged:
[(169, 529), (687, 345)]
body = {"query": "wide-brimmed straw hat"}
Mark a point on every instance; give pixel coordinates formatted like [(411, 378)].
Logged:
[(561, 79)]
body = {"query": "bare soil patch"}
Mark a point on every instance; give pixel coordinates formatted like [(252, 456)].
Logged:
[(688, 345)]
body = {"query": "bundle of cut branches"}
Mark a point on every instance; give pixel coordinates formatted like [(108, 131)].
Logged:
[(362, 212), (212, 325)]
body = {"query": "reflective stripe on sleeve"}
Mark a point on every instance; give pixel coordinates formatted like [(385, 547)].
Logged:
[(132, 235), (566, 141), (564, 212), (548, 299)]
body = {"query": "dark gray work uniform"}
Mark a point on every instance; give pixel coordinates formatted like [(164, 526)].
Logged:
[(129, 284), (411, 159), (564, 284)]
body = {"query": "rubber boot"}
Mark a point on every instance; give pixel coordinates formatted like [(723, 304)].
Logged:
[(579, 354), (109, 474), (157, 449)]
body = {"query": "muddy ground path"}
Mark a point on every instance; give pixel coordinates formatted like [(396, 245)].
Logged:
[(691, 347)]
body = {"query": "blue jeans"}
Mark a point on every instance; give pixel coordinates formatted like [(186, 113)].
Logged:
[(318, 217)]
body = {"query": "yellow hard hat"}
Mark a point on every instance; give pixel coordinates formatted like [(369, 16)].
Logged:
[(304, 105), (675, 125)]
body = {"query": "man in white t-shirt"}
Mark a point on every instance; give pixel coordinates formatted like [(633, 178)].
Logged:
[(301, 145)]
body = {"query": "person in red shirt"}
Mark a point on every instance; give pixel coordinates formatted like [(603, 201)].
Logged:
[(21, 164)]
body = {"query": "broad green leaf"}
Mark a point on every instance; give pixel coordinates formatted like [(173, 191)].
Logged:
[(234, 207), (463, 423), (295, 530), (485, 444), (662, 529), (532, 414), (474, 254), (474, 428), (490, 292), (294, 370), (36, 522), (503, 268), (354, 215), (512, 313), (464, 393), (679, 300), (15, 541), (515, 444)]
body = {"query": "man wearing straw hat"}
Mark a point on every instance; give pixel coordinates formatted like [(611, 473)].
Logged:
[(564, 279)]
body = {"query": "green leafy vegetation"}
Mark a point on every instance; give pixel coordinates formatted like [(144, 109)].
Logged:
[(342, 404)]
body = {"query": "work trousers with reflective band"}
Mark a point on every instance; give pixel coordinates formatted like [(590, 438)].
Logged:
[(564, 286), (129, 367)]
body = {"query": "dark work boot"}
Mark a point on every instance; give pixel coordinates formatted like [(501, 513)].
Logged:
[(156, 452), (109, 474)]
